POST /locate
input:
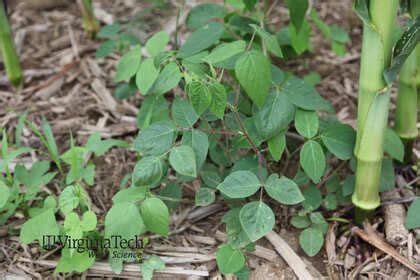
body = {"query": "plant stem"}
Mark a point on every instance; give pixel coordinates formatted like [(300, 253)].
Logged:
[(406, 112), (90, 24), (8, 50), (373, 103)]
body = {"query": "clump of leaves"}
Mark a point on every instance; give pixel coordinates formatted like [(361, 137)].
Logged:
[(232, 117)]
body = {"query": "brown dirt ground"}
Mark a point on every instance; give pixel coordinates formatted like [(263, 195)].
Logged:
[(66, 84)]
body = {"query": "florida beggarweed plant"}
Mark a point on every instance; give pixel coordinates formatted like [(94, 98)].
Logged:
[(381, 60), (8, 50), (217, 111)]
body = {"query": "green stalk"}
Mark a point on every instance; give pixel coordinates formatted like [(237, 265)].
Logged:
[(406, 112), (8, 50), (373, 104), (90, 24)]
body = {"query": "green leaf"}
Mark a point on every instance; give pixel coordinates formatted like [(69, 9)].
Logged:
[(274, 116), (199, 142), (199, 95), (155, 215), (73, 261), (313, 198), (412, 221), (303, 94), (312, 160), (338, 48), (41, 225), (157, 43), (210, 175), (129, 64), (283, 190), (311, 241), (204, 196), (257, 219), (250, 163), (319, 221), (393, 145), (269, 39), (225, 51), (168, 78), (300, 39), (68, 199), (122, 219), (148, 266), (109, 31), (132, 194), (204, 13), (88, 221), (339, 140), (235, 233), (148, 171), (156, 139), (35, 178), (4, 194), (348, 185), (402, 49), (330, 201), (218, 99), (276, 145), (306, 123), (125, 90), (253, 71), (361, 7), (239, 184), (201, 39), (313, 78), (229, 259), (339, 34), (154, 108), (50, 141), (105, 49), (182, 159), (249, 4), (171, 195), (297, 10), (387, 180), (146, 75), (100, 147), (300, 222), (183, 113), (74, 157)]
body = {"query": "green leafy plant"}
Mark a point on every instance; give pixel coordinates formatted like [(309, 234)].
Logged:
[(8, 50), (217, 111), (227, 127)]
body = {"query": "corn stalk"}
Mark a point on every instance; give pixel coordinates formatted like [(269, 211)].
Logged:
[(90, 24), (406, 112), (379, 18), (8, 49)]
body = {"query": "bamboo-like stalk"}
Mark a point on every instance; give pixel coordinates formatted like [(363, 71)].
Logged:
[(90, 24), (8, 50), (373, 104), (406, 112)]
